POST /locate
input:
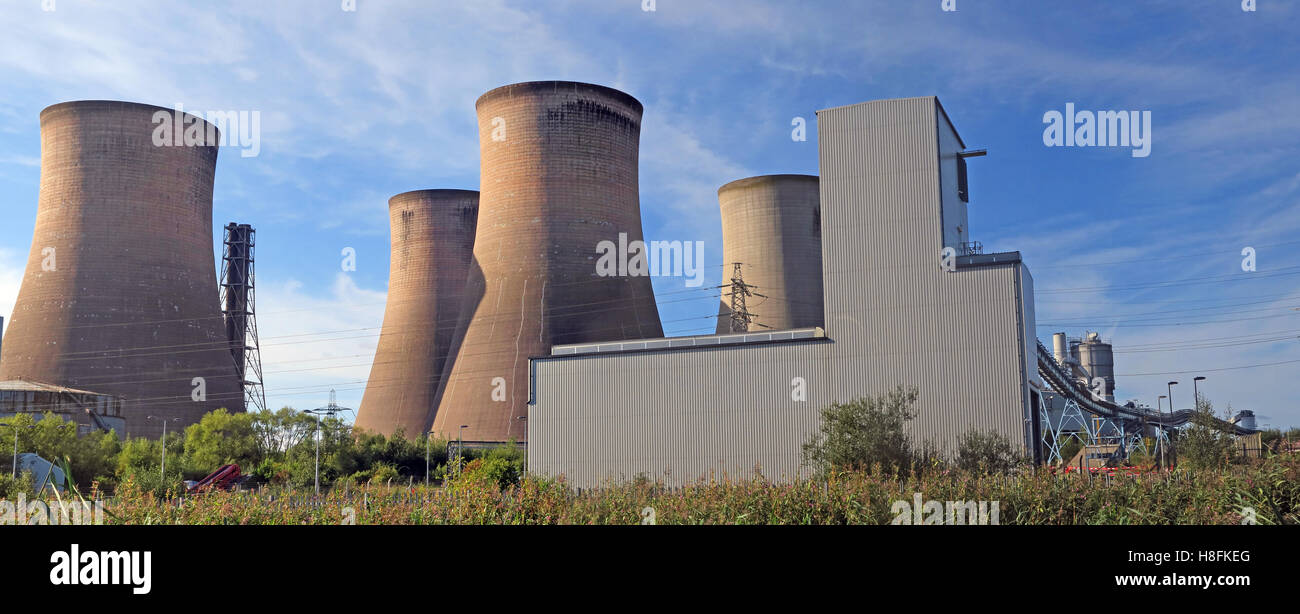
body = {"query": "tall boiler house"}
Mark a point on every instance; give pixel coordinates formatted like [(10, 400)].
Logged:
[(771, 224), (120, 292), (432, 244), (559, 177)]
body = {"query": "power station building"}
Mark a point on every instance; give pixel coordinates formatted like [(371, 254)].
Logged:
[(772, 235), (90, 411), (120, 293), (432, 244), (559, 178), (906, 302)]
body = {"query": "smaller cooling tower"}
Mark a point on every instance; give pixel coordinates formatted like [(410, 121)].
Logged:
[(432, 244), (559, 179), (771, 224)]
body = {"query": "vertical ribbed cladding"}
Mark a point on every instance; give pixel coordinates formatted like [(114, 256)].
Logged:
[(559, 175), (772, 225), (432, 244), (120, 293)]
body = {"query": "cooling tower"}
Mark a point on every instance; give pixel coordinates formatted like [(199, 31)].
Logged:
[(559, 177), (772, 225), (432, 243), (120, 293)]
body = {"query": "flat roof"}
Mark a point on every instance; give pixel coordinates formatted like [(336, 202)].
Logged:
[(693, 341), (22, 385)]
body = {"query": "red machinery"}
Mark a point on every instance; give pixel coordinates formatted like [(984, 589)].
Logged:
[(223, 478)]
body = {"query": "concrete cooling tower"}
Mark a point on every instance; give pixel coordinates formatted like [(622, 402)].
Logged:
[(559, 176), (772, 225), (120, 293), (432, 243)]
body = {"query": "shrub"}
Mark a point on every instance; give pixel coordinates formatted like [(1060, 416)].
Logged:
[(11, 487), (987, 452), (863, 433), (383, 473), (1204, 443)]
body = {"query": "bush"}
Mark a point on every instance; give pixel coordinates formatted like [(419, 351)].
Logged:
[(11, 487), (863, 433), (1204, 443), (987, 452), (383, 474)]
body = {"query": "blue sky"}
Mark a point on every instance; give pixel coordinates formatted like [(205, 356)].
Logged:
[(358, 106)]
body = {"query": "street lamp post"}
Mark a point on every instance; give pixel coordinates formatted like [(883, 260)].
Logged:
[(317, 472), (15, 428), (162, 471), (1196, 392), (427, 436), (1170, 388), (524, 418), (460, 446), (1161, 410)]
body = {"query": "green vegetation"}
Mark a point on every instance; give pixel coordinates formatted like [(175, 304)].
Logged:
[(865, 434), (1204, 444), (861, 461), (1211, 496), (275, 448), (987, 451)]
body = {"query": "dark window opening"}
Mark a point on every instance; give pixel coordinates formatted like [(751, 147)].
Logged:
[(963, 190)]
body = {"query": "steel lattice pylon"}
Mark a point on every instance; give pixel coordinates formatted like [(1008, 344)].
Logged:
[(238, 308)]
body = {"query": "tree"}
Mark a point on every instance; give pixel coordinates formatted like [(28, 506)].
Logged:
[(1205, 442), (278, 432), (54, 439), (220, 438), (862, 432), (987, 451)]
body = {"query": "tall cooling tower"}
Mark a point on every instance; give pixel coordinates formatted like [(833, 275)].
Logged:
[(771, 224), (120, 293), (432, 244), (559, 176)]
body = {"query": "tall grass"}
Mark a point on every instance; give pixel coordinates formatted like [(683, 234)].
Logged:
[(1212, 496)]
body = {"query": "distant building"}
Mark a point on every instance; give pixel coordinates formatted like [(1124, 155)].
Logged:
[(90, 410)]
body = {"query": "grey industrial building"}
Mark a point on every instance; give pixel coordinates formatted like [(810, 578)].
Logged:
[(893, 197)]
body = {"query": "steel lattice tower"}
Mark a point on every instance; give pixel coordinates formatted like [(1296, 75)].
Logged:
[(239, 309), (741, 318)]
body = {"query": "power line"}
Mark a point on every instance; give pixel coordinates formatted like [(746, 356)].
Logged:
[(1255, 366)]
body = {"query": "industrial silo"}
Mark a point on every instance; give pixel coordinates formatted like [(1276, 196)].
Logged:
[(772, 225), (120, 292), (1098, 359), (559, 180), (432, 244)]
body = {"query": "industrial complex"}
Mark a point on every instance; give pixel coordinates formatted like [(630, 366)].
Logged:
[(501, 326)]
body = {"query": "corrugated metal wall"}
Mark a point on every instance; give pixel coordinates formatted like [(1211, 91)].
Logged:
[(893, 317)]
